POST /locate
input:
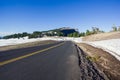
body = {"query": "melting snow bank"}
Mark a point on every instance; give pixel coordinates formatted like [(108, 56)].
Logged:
[(112, 46), (6, 42)]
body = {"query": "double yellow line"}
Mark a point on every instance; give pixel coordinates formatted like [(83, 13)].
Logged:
[(27, 55)]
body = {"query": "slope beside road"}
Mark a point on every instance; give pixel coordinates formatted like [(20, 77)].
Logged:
[(102, 36), (62, 61), (104, 48)]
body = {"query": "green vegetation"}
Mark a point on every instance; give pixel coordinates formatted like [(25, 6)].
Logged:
[(95, 30), (115, 28), (93, 59), (88, 32), (19, 35), (75, 34), (37, 34)]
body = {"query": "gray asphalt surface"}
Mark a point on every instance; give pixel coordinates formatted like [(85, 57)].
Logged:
[(61, 63), (6, 55), (54, 64)]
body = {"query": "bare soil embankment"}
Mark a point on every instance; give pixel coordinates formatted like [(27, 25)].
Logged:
[(104, 60), (88, 70)]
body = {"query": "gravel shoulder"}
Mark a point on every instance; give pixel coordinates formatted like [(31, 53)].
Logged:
[(24, 45), (104, 61)]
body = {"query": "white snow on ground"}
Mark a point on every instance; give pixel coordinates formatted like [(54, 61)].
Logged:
[(77, 40), (112, 46), (6, 42)]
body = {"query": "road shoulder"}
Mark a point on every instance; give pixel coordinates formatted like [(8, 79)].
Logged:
[(104, 61)]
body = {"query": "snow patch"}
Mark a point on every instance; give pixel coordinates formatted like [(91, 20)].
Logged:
[(6, 42), (112, 46)]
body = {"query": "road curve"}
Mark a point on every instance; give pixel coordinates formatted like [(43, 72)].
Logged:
[(61, 62)]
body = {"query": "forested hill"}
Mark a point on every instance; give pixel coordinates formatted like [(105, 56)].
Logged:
[(55, 32)]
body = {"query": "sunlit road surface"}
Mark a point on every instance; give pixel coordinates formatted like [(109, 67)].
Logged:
[(46, 62), (56, 61)]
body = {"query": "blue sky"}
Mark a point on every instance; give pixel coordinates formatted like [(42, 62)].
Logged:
[(39, 15)]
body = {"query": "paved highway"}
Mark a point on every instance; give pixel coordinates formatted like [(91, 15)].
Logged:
[(57, 61)]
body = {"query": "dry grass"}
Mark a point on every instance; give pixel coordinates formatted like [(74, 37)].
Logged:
[(102, 36)]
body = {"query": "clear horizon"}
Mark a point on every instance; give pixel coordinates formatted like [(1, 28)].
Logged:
[(17, 16)]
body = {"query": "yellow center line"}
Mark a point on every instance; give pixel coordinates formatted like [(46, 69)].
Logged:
[(27, 55)]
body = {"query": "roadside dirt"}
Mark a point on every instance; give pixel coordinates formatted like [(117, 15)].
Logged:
[(88, 69), (29, 44), (104, 61), (102, 36)]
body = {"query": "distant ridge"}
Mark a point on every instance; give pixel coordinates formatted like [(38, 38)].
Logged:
[(64, 31)]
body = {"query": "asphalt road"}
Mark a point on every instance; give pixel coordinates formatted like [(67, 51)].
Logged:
[(57, 61), (6, 55), (53, 64)]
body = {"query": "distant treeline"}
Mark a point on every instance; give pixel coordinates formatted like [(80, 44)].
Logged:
[(65, 32), (94, 30), (38, 34), (55, 32), (35, 34)]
